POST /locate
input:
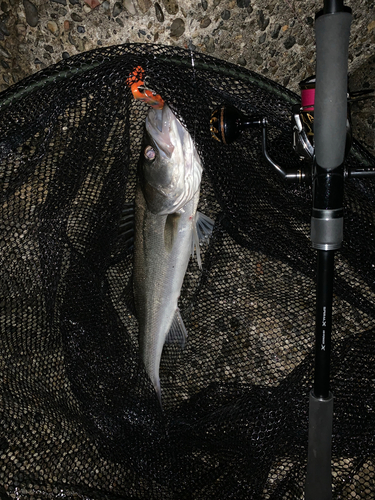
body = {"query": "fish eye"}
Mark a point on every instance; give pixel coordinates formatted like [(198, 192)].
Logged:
[(149, 153)]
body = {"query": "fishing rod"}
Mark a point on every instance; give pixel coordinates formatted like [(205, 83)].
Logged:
[(322, 135), (332, 28)]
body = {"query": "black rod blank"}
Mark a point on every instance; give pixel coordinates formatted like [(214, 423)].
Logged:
[(323, 327)]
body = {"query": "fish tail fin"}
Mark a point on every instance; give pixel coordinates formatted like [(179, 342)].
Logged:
[(201, 234), (177, 332)]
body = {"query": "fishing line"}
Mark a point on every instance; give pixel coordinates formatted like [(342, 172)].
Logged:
[(191, 48)]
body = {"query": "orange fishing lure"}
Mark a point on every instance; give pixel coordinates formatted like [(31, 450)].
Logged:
[(136, 82)]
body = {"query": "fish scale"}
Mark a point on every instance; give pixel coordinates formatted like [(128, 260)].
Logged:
[(158, 277), (165, 233)]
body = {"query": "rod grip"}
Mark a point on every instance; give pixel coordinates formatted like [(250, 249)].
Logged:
[(330, 110), (318, 478)]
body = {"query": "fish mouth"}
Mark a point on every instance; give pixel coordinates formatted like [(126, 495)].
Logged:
[(173, 179), (158, 126)]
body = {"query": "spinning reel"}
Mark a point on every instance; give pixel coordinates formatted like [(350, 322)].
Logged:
[(227, 124)]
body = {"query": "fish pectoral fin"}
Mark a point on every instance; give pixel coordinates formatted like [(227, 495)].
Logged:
[(201, 234), (204, 226), (177, 333)]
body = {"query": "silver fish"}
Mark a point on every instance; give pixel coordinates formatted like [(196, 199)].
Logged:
[(167, 231)]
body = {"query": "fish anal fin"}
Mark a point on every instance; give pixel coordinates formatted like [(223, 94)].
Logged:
[(177, 333)]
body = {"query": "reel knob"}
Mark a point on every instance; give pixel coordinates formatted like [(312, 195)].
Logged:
[(227, 123)]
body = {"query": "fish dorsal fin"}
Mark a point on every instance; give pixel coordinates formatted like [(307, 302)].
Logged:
[(177, 333), (126, 225), (201, 234)]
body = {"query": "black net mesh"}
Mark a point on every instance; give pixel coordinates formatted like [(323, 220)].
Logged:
[(79, 416)]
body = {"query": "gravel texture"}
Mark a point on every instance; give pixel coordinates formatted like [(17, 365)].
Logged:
[(274, 38)]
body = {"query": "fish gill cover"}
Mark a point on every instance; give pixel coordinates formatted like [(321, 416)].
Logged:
[(79, 417)]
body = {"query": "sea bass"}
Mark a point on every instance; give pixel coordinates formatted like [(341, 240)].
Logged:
[(167, 230)]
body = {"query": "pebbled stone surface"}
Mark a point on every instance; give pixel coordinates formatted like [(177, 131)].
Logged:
[(274, 38)]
